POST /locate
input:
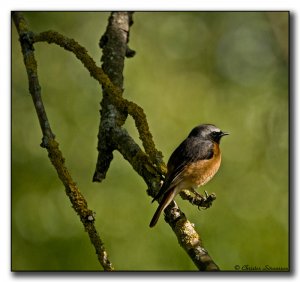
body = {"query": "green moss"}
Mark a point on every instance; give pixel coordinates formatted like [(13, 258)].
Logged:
[(76, 198)]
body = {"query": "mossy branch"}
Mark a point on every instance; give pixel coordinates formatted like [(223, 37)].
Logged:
[(77, 200), (112, 93)]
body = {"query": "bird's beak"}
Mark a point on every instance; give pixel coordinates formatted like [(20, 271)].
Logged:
[(224, 133)]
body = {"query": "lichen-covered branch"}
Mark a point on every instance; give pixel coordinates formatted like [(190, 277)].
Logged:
[(145, 135), (79, 203), (81, 53), (189, 239)]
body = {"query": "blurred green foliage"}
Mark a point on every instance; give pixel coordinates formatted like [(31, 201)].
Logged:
[(226, 68)]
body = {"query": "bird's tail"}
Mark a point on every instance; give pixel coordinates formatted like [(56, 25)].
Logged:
[(166, 200)]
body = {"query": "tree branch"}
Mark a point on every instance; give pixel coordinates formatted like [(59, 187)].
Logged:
[(189, 239), (79, 203)]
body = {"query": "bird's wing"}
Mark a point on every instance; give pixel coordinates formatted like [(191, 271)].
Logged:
[(189, 151)]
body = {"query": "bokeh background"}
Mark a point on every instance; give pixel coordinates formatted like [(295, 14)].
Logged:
[(226, 68)]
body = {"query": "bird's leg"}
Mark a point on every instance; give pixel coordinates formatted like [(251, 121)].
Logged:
[(198, 197), (205, 200), (206, 195), (197, 194)]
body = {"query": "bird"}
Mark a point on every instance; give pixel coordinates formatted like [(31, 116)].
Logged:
[(193, 163)]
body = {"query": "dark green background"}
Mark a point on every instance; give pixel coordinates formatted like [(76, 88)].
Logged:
[(226, 68)]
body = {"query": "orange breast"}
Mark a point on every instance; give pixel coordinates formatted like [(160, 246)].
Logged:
[(199, 173)]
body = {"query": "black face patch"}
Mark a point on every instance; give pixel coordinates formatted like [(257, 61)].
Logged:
[(217, 135), (203, 131)]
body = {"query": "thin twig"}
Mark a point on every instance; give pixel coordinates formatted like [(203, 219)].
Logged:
[(79, 203)]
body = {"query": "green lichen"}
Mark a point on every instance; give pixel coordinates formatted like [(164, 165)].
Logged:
[(186, 234)]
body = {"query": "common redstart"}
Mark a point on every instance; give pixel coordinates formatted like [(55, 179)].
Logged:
[(195, 161)]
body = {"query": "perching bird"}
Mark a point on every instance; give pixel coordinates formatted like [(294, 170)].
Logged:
[(195, 161)]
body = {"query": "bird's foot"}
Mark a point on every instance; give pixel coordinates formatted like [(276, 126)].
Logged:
[(207, 200), (201, 201)]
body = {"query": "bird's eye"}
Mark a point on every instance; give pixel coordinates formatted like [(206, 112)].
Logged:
[(215, 135)]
